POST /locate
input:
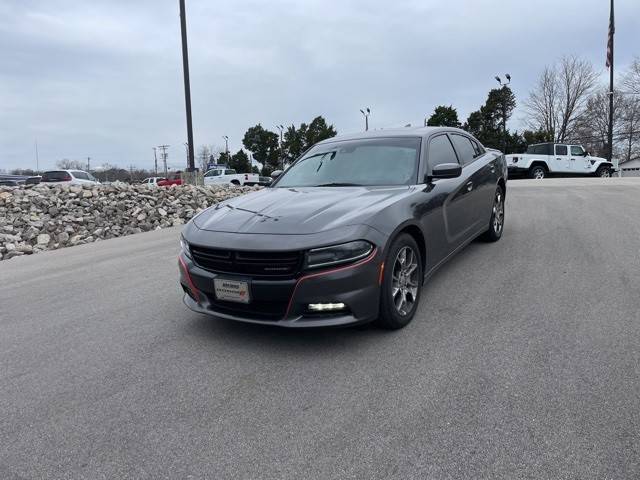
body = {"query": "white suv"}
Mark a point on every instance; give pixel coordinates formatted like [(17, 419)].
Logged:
[(69, 177)]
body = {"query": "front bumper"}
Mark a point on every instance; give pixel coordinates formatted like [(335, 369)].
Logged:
[(284, 302)]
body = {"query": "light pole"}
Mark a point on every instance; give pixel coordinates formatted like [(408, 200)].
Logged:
[(281, 128), (366, 118), (504, 110), (226, 149), (187, 86)]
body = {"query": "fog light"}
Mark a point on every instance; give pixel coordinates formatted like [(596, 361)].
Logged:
[(326, 307)]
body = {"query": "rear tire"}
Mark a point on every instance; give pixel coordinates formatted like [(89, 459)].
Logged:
[(537, 172), (496, 223), (235, 183), (401, 283)]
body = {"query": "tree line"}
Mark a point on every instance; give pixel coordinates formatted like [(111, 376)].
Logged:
[(566, 104)]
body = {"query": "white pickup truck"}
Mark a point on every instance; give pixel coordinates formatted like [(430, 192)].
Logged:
[(228, 176), (545, 158)]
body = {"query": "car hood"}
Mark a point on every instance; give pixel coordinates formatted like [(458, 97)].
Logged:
[(300, 211)]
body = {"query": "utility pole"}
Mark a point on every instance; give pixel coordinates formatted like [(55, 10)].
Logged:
[(226, 149), (187, 86), (281, 128), (366, 118), (37, 158), (155, 160), (88, 164), (164, 156)]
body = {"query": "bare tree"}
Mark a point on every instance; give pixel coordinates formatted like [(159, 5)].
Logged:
[(204, 153), (560, 96), (542, 102), (631, 79), (630, 128), (591, 129), (66, 164)]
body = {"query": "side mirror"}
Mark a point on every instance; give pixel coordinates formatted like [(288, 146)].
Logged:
[(446, 170), (586, 154), (276, 173)]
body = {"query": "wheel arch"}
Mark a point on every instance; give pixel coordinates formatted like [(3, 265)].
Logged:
[(415, 231), (539, 163)]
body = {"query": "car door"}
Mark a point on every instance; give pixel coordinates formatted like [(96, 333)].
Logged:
[(446, 203), (480, 186), (562, 159), (579, 159)]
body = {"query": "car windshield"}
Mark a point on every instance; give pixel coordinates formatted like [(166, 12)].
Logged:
[(366, 162)]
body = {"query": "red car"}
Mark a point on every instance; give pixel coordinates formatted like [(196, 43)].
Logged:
[(172, 179)]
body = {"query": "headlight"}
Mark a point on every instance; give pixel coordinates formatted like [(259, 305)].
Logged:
[(185, 246), (338, 254)]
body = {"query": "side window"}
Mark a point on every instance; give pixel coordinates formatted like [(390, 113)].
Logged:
[(577, 150), (477, 148), (561, 150), (441, 151), (212, 173), (80, 175), (229, 172), (464, 148)]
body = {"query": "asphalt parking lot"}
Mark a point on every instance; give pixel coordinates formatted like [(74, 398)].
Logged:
[(523, 362)]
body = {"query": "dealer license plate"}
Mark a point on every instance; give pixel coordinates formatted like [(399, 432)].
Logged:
[(231, 290)]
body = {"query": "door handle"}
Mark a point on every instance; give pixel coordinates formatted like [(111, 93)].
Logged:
[(469, 186)]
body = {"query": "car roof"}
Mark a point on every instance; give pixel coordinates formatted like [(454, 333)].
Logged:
[(394, 132)]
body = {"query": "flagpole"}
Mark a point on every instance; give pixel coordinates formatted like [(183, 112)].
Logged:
[(611, 34)]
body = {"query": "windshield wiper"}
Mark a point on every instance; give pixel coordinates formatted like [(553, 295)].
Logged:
[(338, 184)]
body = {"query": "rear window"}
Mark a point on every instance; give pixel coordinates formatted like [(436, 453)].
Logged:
[(541, 149), (55, 176), (81, 175), (561, 150)]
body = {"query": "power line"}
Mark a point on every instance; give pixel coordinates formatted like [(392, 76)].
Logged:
[(164, 156)]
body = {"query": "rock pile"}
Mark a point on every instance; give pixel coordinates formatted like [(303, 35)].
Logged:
[(44, 217)]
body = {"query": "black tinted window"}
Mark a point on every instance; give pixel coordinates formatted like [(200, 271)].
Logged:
[(57, 176), (561, 149), (464, 148), (230, 172), (441, 151)]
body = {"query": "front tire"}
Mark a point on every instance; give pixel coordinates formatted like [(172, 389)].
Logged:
[(496, 223), (603, 172), (537, 172), (401, 284)]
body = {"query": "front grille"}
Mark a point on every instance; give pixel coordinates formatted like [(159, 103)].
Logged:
[(255, 264), (256, 310)]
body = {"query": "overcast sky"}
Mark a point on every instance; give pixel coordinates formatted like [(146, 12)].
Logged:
[(103, 78)]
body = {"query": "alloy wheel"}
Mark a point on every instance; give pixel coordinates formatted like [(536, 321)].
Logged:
[(404, 280), (498, 213), (538, 173), (605, 173)]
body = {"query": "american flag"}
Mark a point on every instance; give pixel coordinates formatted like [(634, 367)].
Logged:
[(612, 30)]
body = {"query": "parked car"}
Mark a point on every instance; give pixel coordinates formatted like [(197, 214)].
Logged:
[(69, 177), (349, 233), (543, 159), (174, 178), (11, 183), (229, 176), (33, 180), (152, 182)]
